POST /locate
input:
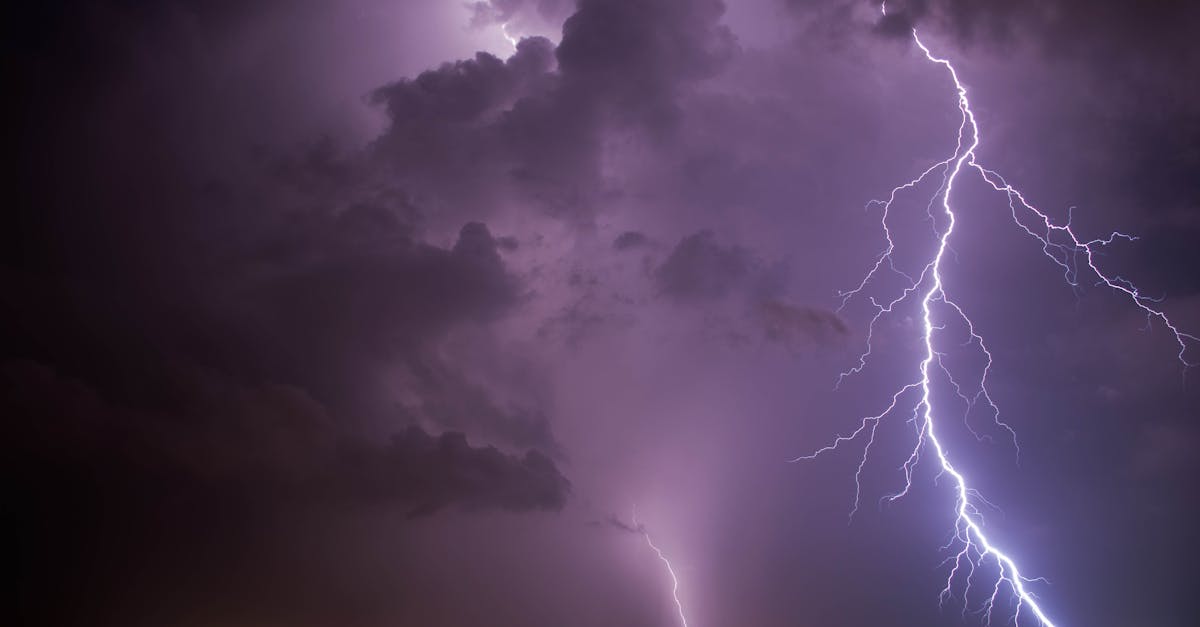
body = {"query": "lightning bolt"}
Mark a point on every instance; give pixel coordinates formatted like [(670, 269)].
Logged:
[(640, 528), (512, 41), (976, 554)]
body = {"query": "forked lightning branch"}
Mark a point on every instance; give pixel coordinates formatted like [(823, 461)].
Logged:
[(976, 561)]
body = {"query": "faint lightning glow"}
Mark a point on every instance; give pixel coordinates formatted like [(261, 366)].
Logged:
[(975, 551), (670, 570), (513, 41)]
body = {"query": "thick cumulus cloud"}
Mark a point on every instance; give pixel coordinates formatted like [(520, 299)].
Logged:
[(485, 133)]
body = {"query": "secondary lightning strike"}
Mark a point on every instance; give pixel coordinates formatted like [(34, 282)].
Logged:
[(1059, 243), (670, 570)]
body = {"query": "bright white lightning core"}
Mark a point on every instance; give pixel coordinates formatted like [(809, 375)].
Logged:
[(640, 528), (976, 554)]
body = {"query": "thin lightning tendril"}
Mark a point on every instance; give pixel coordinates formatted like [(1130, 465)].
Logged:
[(975, 551), (670, 570)]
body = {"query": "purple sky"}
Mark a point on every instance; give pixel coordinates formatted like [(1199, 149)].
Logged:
[(356, 314)]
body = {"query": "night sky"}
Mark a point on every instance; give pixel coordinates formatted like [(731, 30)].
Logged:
[(390, 312)]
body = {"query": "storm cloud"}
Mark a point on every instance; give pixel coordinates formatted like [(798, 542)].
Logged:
[(371, 313)]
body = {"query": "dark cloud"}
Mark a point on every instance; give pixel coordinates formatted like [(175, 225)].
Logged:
[(581, 320), (630, 239), (528, 129), (320, 301), (463, 93), (446, 471), (787, 323), (268, 445), (193, 355), (700, 269), (279, 288), (510, 124), (356, 278), (450, 401), (635, 55), (508, 243), (143, 496)]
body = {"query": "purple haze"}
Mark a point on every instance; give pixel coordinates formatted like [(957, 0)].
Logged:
[(315, 315)]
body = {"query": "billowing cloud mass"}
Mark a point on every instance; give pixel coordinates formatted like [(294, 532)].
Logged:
[(373, 313)]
